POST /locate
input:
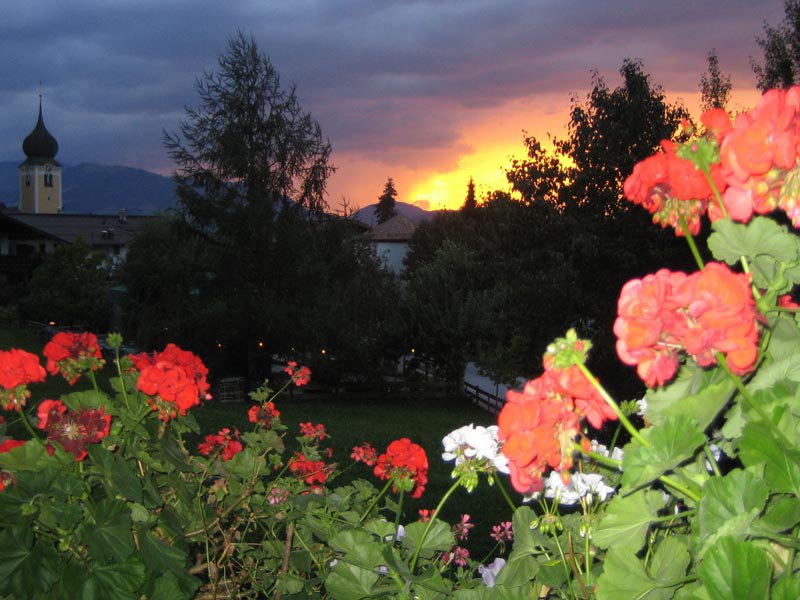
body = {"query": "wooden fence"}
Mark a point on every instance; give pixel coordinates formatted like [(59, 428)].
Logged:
[(485, 400), (387, 390)]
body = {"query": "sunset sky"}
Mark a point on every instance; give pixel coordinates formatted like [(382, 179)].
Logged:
[(427, 92)]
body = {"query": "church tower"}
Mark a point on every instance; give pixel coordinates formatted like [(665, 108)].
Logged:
[(40, 174)]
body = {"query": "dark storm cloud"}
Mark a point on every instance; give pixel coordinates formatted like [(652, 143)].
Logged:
[(385, 79)]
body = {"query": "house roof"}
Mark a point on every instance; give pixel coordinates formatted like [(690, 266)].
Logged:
[(396, 229), (96, 230)]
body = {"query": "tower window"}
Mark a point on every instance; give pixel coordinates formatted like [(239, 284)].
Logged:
[(48, 180), (27, 180)]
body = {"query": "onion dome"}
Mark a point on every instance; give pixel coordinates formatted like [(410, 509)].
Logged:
[(40, 143)]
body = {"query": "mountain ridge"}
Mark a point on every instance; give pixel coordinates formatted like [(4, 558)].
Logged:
[(91, 188)]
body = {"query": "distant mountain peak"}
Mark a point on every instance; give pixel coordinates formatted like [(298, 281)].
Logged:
[(410, 211)]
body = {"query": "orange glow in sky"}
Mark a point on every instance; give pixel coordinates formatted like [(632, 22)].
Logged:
[(489, 140)]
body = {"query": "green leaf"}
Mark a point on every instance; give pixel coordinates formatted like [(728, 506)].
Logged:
[(624, 577), (109, 537), (627, 519), (25, 565), (669, 562), (786, 588), (762, 238), (787, 369), (30, 456), (243, 464), (759, 445), (159, 556), (350, 582), (87, 399), (784, 337), (729, 506), (671, 443), (518, 570), (439, 539), (113, 581), (527, 540), (358, 547), (783, 513), (736, 569), (119, 475), (698, 393)]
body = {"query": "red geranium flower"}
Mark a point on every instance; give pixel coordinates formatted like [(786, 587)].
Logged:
[(228, 445), (174, 379), (263, 414), (299, 376), (18, 368), (311, 471), (73, 429), (365, 453), (710, 311), (72, 353), (310, 430), (406, 464)]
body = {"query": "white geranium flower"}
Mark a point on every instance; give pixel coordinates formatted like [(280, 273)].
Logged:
[(616, 453), (642, 404), (490, 572), (581, 485), (474, 442)]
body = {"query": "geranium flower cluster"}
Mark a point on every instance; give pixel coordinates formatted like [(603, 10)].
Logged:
[(704, 313), (580, 485), (470, 442), (18, 368), (174, 379), (299, 376), (74, 430), (313, 472), (671, 187), (73, 353), (753, 168), (406, 464), (263, 414), (365, 453), (538, 426), (312, 431), (227, 444)]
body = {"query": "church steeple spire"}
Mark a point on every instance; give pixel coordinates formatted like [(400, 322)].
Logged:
[(40, 174), (40, 143)]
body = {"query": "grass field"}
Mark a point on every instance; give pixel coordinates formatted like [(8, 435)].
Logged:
[(349, 422)]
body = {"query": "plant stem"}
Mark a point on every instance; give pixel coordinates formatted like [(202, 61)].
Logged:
[(750, 401), (94, 380), (435, 514), (397, 516), (613, 404), (374, 502), (690, 240), (502, 489), (679, 487), (710, 458), (24, 418), (603, 460), (121, 378), (707, 172)]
